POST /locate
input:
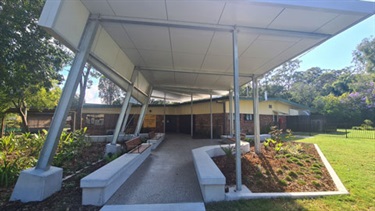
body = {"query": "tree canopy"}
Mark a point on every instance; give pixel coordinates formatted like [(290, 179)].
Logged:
[(346, 95), (30, 58), (109, 92)]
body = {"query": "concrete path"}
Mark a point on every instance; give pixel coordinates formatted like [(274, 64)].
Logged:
[(166, 177)]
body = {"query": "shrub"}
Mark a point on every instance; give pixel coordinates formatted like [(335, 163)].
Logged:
[(283, 182), (229, 150), (19, 152)]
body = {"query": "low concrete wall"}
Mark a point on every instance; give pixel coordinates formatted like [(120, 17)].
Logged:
[(100, 185), (108, 138), (159, 137), (263, 137), (211, 180)]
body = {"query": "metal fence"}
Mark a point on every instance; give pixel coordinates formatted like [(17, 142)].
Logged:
[(312, 125)]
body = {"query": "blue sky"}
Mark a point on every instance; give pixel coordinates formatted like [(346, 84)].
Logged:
[(336, 53)]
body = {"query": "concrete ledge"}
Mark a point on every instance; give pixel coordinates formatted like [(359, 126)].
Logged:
[(211, 180), (197, 206), (247, 194), (100, 185), (37, 185), (263, 137), (159, 137), (108, 138)]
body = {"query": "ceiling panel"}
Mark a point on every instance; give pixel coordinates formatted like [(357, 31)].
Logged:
[(160, 59), (204, 11), (338, 23), (119, 35), (187, 61), (140, 8), (185, 79), (217, 63), (98, 7), (222, 43), (135, 57), (266, 48), (149, 37), (206, 80), (248, 65), (245, 14), (302, 19), (190, 40)]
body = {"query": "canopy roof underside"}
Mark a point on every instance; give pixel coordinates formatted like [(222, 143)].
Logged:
[(184, 47)]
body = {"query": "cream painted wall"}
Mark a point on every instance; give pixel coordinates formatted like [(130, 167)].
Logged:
[(246, 107), (200, 108)]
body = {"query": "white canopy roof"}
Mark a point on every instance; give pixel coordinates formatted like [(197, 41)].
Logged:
[(184, 46)]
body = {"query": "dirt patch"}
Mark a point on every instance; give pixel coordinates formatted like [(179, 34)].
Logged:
[(298, 169)]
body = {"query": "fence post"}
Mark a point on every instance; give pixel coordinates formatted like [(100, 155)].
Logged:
[(309, 125), (346, 132)]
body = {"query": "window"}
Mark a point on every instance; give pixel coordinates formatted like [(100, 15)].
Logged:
[(95, 119), (249, 117)]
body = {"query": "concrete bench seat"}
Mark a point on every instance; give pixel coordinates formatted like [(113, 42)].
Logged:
[(156, 139), (135, 145), (100, 185), (211, 179)]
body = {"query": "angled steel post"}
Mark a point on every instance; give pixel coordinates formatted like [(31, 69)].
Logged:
[(143, 113), (256, 115), (237, 111), (211, 126), (124, 107), (123, 128), (70, 87), (231, 113)]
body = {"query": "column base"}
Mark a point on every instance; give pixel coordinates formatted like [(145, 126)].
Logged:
[(37, 185), (112, 149)]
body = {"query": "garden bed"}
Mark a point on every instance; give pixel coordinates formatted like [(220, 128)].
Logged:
[(297, 169), (70, 196)]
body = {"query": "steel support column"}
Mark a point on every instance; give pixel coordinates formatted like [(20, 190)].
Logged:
[(237, 111), (211, 126), (231, 129), (191, 116), (164, 119), (70, 87), (256, 115), (143, 114), (124, 107)]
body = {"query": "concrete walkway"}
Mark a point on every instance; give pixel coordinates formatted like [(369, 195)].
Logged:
[(166, 177)]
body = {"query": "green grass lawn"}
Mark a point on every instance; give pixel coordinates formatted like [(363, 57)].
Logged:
[(353, 160)]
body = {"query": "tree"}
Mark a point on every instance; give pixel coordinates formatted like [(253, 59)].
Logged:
[(278, 82), (84, 83), (30, 58), (364, 55), (109, 92)]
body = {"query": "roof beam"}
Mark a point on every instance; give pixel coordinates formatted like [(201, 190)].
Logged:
[(191, 72), (188, 90), (209, 27)]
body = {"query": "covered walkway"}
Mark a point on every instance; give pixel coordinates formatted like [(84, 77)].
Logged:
[(166, 176)]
